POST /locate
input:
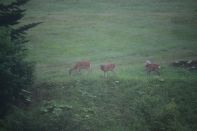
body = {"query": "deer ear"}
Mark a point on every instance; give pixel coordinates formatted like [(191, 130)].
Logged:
[(148, 62)]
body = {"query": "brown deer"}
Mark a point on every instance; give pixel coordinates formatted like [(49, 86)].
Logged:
[(80, 65), (107, 67), (150, 67)]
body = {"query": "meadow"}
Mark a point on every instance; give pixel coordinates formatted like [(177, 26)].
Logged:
[(123, 32)]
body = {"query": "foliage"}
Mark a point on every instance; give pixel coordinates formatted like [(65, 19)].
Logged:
[(16, 73), (54, 107), (41, 120), (148, 105)]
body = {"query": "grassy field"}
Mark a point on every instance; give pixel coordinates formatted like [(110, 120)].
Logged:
[(124, 32)]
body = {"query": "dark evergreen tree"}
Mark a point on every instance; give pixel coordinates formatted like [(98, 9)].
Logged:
[(16, 73)]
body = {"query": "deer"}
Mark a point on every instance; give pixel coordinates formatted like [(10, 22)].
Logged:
[(80, 65), (107, 67), (151, 67)]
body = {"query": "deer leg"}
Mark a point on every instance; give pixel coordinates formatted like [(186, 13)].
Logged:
[(158, 72), (113, 72), (70, 72), (89, 70), (79, 71), (148, 72)]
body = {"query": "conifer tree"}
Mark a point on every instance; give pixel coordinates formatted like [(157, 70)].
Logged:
[(16, 73)]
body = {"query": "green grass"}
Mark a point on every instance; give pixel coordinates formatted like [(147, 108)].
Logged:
[(124, 32)]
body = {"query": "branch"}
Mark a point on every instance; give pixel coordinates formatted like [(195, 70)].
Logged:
[(16, 33)]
